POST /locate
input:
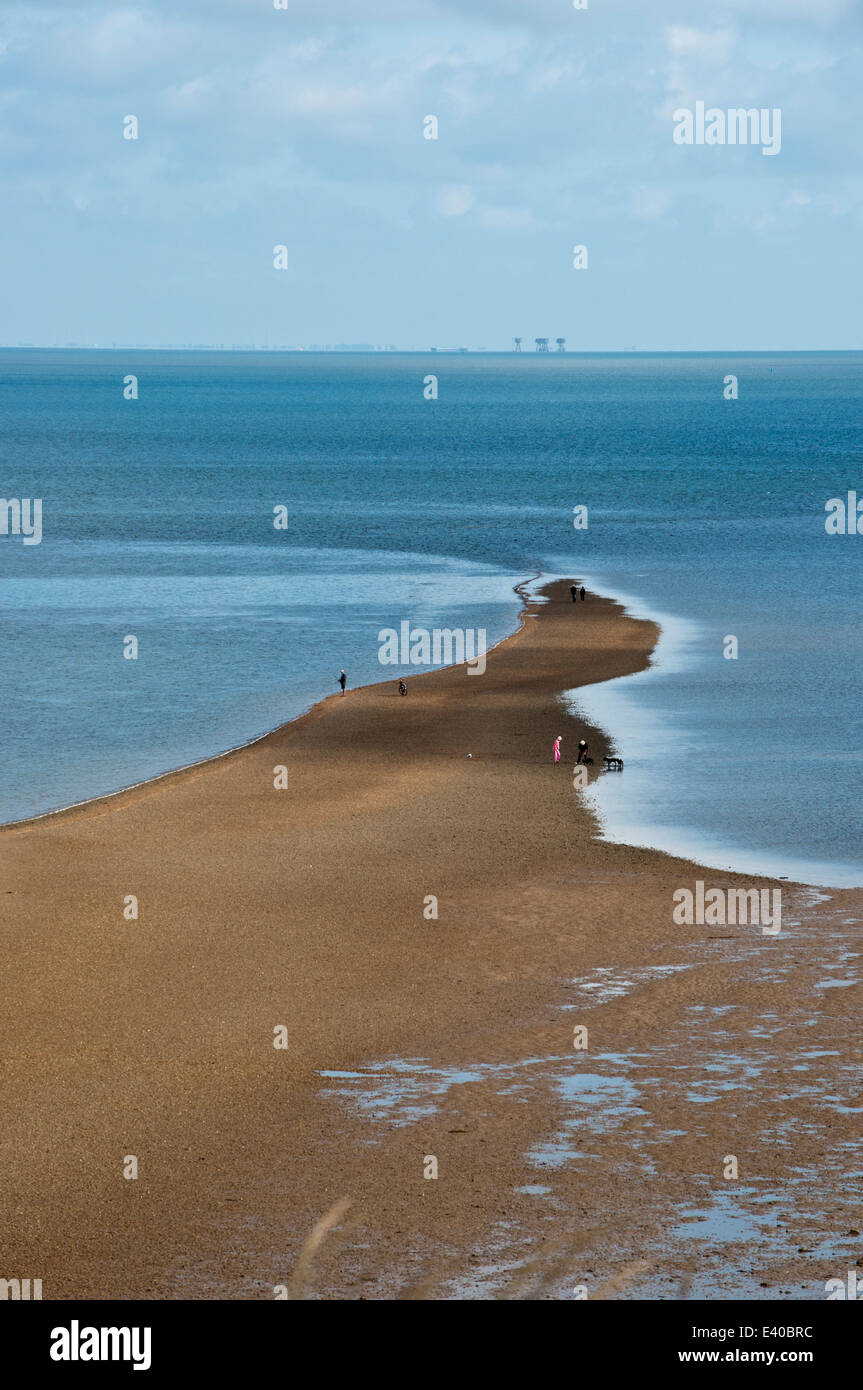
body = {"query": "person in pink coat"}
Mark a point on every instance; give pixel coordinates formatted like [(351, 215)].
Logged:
[(557, 748)]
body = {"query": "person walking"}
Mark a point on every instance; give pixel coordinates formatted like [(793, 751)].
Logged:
[(557, 748), (573, 589), (582, 750), (343, 680), (582, 593)]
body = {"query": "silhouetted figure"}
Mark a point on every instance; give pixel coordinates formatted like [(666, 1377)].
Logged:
[(573, 589), (403, 690), (582, 751), (582, 593), (343, 680)]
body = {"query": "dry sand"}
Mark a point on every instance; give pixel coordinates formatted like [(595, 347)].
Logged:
[(305, 908)]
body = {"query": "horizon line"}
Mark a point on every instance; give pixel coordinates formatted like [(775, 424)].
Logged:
[(366, 350)]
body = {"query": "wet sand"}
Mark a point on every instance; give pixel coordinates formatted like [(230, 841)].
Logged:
[(304, 909)]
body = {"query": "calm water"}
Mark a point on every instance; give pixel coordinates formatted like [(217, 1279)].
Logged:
[(709, 513)]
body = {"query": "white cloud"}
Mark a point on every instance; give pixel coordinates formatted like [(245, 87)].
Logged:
[(546, 76), (455, 200), (189, 97), (649, 204), (504, 218), (121, 41), (714, 46)]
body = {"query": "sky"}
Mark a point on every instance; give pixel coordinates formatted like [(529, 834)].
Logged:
[(304, 127)]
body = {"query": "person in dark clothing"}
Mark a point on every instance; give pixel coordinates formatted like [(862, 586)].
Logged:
[(343, 680), (573, 589), (582, 750), (582, 593), (403, 690)]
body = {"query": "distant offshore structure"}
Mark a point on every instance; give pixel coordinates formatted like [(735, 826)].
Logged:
[(540, 344)]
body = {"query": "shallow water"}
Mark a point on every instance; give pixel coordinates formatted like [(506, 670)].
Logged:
[(620, 1113), (158, 523)]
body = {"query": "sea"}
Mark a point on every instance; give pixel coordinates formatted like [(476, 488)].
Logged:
[(424, 487)]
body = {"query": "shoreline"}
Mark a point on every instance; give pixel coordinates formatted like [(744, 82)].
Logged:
[(644, 833), (306, 909), (617, 706), (520, 589)]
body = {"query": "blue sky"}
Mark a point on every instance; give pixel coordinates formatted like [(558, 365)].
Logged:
[(304, 127)]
